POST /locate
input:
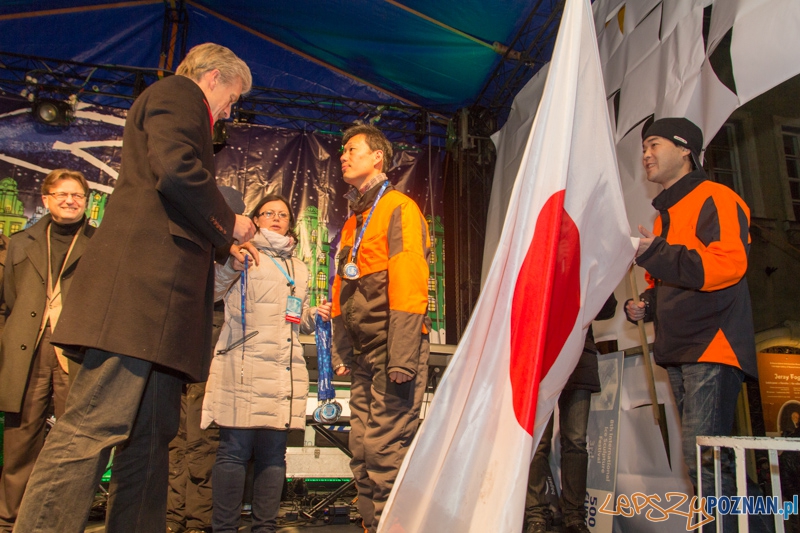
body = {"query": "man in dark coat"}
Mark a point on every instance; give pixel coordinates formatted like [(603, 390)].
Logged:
[(139, 314), (573, 407), (193, 451), (33, 374)]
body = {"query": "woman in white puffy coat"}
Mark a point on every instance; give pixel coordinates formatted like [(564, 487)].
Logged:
[(255, 396)]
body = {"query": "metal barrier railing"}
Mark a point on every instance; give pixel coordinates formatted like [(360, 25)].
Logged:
[(739, 445)]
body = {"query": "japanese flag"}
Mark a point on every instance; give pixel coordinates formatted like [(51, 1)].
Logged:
[(565, 246)]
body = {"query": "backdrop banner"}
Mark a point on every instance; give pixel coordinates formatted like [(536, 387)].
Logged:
[(257, 160)]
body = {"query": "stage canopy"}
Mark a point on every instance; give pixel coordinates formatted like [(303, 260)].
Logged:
[(433, 56)]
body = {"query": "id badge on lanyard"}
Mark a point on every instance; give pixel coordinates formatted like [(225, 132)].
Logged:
[(294, 305), (294, 309)]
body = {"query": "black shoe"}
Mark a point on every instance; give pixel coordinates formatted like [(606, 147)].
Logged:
[(537, 527), (580, 527)]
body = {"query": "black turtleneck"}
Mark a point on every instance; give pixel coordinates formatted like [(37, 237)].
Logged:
[(61, 236)]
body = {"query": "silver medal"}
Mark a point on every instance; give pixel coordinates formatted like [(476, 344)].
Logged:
[(351, 271)]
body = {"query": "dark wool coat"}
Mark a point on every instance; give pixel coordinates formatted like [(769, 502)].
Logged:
[(145, 285), (586, 375), (25, 296)]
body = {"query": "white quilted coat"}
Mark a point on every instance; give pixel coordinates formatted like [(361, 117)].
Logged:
[(268, 386)]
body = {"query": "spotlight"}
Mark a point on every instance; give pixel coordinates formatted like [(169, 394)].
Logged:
[(52, 112)]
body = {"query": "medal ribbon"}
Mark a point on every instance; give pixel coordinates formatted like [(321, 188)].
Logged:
[(243, 285), (325, 390), (357, 242)]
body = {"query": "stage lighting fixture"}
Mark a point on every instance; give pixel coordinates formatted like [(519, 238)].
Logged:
[(52, 112)]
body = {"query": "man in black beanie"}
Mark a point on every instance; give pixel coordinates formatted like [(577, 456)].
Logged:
[(696, 259)]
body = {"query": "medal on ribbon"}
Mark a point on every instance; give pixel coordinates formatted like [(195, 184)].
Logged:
[(351, 271)]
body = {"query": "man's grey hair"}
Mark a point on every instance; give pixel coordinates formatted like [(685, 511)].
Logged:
[(209, 56)]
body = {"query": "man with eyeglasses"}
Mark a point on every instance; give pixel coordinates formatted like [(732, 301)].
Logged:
[(34, 374), (139, 316)]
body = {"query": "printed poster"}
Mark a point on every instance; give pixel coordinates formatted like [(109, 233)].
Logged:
[(602, 442)]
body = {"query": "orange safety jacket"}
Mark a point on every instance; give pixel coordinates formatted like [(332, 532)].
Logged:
[(696, 266), (388, 303)]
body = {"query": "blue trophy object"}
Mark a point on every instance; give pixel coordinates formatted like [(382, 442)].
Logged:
[(328, 410)]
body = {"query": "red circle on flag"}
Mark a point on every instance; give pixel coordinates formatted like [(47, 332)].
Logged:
[(546, 302)]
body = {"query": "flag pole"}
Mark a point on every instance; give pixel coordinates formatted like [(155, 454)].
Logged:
[(659, 413)]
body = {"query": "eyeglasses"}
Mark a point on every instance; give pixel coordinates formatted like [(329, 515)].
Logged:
[(63, 195), (283, 215)]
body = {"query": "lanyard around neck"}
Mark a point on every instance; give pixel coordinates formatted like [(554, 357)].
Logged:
[(357, 243), (284, 272)]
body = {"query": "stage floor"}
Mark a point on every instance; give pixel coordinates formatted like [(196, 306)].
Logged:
[(318, 527), (320, 496)]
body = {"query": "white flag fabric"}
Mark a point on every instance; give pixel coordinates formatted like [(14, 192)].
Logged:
[(565, 246)]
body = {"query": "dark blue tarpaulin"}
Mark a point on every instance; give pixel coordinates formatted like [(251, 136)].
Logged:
[(438, 55)]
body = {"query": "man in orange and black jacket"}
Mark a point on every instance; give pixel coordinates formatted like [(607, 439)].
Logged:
[(696, 259), (379, 316)]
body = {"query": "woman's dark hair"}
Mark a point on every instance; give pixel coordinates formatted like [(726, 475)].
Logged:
[(272, 198)]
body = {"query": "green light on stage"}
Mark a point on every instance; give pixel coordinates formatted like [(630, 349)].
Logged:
[(323, 479)]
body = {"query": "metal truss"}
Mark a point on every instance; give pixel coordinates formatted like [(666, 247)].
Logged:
[(468, 186), (530, 49), (173, 33), (472, 158), (28, 77), (297, 110)]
